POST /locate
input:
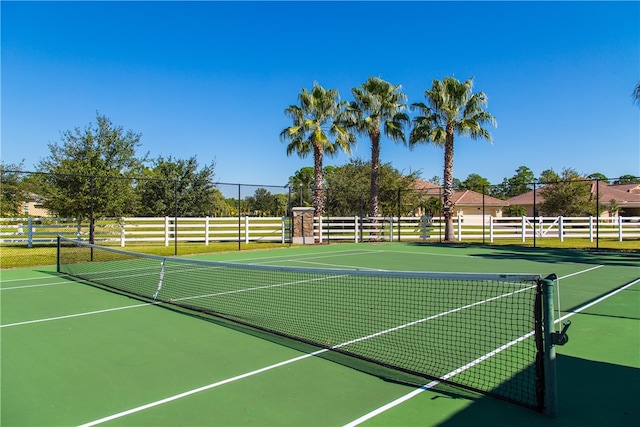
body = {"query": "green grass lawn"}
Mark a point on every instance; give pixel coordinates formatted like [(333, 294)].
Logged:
[(13, 256), (21, 256)]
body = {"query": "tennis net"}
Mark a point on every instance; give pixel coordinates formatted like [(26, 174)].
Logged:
[(481, 332)]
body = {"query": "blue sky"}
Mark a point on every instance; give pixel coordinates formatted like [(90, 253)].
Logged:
[(212, 79)]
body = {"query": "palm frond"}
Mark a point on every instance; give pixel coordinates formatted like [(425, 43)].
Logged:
[(451, 102)]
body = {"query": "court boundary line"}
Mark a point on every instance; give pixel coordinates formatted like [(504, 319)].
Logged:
[(313, 254), (200, 389), (86, 313), (30, 278), (35, 286), (345, 267)]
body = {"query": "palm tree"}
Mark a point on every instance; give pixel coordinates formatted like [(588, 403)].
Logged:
[(451, 109), (315, 121), (378, 107)]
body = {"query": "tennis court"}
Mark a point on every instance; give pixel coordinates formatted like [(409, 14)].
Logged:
[(76, 354)]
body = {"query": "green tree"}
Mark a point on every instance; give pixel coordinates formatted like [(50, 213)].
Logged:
[(219, 207), (232, 206), (174, 180), (91, 167), (457, 184), (317, 129), (281, 204), (571, 196), (548, 176), (515, 210), (599, 176), (301, 185), (433, 206), (451, 109), (263, 203), (627, 179), (518, 184), (378, 108), (349, 184), (476, 183), (613, 207), (435, 180), (13, 192)]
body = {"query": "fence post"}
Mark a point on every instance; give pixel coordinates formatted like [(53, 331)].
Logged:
[(166, 231), (30, 232), (355, 229), (79, 229), (246, 229), (620, 219), (591, 228), (122, 235), (459, 228), (320, 228), (391, 229), (561, 227), (524, 228), (540, 226), (206, 230), (490, 228)]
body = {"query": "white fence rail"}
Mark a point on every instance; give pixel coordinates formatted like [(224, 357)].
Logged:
[(205, 229), (38, 230), (33, 231)]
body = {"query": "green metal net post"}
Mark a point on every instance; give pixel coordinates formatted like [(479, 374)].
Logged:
[(550, 386)]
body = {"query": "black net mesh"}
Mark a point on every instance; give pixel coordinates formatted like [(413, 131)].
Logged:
[(471, 330)]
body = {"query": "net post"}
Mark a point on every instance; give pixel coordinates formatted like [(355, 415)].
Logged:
[(550, 385)]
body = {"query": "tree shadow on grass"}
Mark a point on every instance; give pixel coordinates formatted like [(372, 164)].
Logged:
[(589, 394)]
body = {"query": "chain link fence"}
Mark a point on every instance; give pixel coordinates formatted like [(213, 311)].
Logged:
[(169, 215), (152, 215)]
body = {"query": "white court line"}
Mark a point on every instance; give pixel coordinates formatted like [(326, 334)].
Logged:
[(286, 362), (581, 271), (88, 313), (148, 272), (31, 278), (324, 264), (430, 254), (311, 255), (198, 390), (289, 259), (599, 300), (432, 384), (257, 288), (36, 286)]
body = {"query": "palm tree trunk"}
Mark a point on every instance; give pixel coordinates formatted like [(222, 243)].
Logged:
[(374, 209), (318, 199), (447, 203)]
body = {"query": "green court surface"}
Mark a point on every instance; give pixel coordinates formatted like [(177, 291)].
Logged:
[(75, 354)]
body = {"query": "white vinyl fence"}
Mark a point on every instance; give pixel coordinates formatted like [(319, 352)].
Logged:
[(38, 230), (33, 231), (205, 229)]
